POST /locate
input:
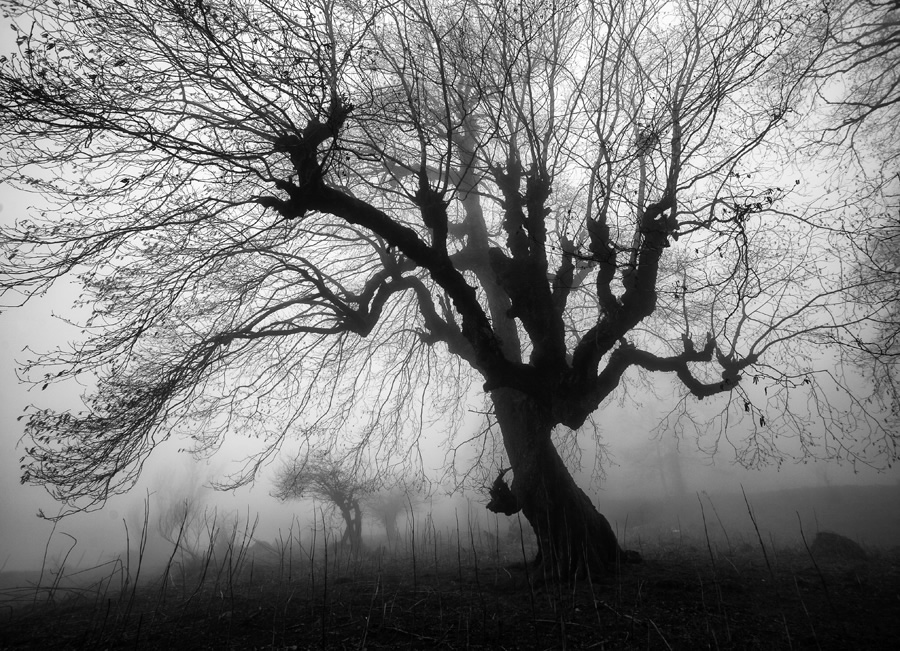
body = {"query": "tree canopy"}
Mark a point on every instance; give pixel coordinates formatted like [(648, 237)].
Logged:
[(292, 216)]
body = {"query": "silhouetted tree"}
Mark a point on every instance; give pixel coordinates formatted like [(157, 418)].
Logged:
[(186, 521), (331, 479), (859, 125), (332, 211), (858, 80), (386, 506)]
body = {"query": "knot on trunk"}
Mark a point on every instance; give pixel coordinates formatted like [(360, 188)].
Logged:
[(502, 498)]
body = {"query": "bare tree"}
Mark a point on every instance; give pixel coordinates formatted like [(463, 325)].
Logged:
[(857, 77), (330, 212), (331, 479), (186, 521), (859, 124), (874, 344), (385, 506), (186, 525)]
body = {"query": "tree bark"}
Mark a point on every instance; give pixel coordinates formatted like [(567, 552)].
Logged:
[(352, 515), (573, 537), (389, 520)]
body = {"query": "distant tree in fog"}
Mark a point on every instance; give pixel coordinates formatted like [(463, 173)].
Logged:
[(185, 520), (874, 345), (185, 524), (386, 507), (330, 479), (858, 76), (341, 214)]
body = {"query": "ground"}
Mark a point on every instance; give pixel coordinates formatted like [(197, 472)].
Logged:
[(689, 593)]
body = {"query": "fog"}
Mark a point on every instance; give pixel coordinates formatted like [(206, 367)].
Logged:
[(649, 483)]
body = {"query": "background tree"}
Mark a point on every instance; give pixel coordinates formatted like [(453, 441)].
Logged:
[(331, 479), (189, 526), (186, 521), (386, 506), (874, 343), (858, 82), (859, 124), (315, 213)]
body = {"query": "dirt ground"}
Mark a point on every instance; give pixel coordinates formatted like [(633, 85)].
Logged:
[(685, 595)]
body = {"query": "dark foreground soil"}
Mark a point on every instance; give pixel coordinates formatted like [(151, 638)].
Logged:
[(682, 597)]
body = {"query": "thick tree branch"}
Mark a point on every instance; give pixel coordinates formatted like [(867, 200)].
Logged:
[(476, 327)]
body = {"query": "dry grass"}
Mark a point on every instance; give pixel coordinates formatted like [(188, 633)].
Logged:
[(454, 591)]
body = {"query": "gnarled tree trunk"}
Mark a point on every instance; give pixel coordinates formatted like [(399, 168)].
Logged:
[(572, 535), (352, 515)]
